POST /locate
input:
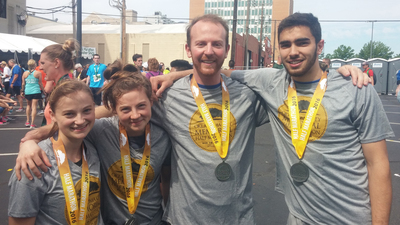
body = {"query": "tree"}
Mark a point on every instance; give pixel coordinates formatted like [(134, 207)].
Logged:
[(379, 50), (396, 56), (329, 56), (343, 52)]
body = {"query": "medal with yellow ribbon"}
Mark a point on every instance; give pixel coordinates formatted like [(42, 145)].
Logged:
[(220, 141), (76, 213), (299, 171), (134, 191)]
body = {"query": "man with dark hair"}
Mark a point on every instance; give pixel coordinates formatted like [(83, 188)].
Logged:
[(180, 65), (367, 70), (138, 61), (95, 78), (332, 163)]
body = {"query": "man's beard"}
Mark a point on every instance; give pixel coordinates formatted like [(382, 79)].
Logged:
[(305, 70)]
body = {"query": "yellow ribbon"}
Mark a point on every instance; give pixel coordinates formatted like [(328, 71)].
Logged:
[(300, 136), (134, 191), (76, 213), (220, 141)]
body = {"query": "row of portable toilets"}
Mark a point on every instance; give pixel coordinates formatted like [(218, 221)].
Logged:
[(384, 70)]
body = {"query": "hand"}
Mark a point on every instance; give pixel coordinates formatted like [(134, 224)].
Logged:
[(11, 85), (23, 94), (32, 157), (160, 83), (359, 78)]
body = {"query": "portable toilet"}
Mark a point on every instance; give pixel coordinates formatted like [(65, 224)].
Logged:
[(336, 63), (380, 68), (355, 62), (394, 66)]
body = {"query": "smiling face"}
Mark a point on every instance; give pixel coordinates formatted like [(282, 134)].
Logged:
[(299, 53), (208, 50), (134, 111), (74, 115)]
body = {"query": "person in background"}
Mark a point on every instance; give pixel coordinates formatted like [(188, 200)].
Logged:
[(278, 64), (80, 72), (6, 76), (153, 68), (138, 61), (31, 90), (15, 83), (180, 65), (367, 70), (95, 78)]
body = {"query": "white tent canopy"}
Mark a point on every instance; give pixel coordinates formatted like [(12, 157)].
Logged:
[(21, 43)]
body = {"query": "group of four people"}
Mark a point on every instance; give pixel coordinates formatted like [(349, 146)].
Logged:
[(332, 164)]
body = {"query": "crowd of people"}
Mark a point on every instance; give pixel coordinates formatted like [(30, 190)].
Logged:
[(186, 157)]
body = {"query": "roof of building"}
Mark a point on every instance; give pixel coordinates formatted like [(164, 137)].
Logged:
[(110, 29)]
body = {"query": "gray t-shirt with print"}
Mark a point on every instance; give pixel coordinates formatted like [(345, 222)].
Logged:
[(105, 137), (44, 198), (196, 196), (336, 191)]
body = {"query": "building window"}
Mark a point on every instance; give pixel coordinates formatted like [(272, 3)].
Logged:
[(3, 9)]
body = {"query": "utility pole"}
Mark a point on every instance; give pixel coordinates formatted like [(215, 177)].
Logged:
[(261, 36), (234, 23), (247, 35), (79, 28), (121, 6), (74, 22), (273, 55)]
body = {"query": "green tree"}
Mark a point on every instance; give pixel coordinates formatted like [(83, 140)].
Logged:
[(396, 56), (328, 56), (379, 50), (343, 52)]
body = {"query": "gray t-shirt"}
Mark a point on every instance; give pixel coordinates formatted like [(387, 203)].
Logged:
[(44, 198), (105, 137), (196, 196), (336, 191)]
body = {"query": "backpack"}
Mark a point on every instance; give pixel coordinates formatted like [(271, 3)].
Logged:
[(373, 75)]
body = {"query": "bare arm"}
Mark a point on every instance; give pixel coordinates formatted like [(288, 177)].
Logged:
[(30, 155), (102, 112), (38, 75), (160, 83), (379, 179), (48, 88), (21, 221)]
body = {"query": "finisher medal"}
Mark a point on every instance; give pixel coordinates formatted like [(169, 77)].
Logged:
[(299, 172), (132, 221), (223, 171)]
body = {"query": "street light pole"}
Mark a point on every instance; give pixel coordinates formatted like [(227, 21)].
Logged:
[(233, 45), (247, 34), (372, 38)]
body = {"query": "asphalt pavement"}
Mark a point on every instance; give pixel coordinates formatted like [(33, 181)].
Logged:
[(269, 206)]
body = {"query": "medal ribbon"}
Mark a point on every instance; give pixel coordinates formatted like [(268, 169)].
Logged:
[(133, 192), (77, 214), (300, 136), (220, 141)]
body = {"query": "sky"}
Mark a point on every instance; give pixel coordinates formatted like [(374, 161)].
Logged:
[(353, 34)]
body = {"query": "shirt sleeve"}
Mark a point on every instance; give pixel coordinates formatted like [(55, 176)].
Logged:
[(26, 196), (370, 117), (89, 71)]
